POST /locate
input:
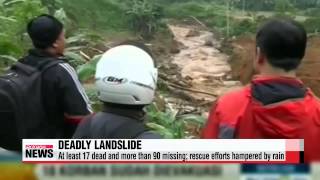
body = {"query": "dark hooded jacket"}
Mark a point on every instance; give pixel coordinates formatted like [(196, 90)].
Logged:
[(115, 122)]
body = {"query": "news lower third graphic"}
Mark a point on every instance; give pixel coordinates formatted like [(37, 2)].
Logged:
[(276, 172), (162, 151)]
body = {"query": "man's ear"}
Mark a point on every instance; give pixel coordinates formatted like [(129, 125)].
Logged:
[(55, 45), (260, 58)]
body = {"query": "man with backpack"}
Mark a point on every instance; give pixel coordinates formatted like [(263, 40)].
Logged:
[(276, 105), (41, 96), (126, 81)]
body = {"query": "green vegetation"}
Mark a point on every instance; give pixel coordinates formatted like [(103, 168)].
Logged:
[(105, 19), (213, 15), (271, 5), (102, 16), (172, 125), (86, 71), (14, 16), (91, 24), (144, 17), (312, 25)]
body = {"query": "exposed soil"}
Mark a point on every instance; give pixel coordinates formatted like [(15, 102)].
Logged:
[(243, 55), (201, 63), (197, 72), (309, 71), (241, 61)]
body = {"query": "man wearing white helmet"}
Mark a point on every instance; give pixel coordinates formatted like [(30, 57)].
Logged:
[(126, 80)]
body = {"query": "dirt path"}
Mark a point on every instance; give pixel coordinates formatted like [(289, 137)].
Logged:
[(202, 64)]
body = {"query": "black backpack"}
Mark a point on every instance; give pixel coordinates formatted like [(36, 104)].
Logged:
[(21, 104)]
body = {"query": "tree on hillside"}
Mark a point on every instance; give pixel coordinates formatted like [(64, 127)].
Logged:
[(302, 4), (283, 6), (51, 5), (253, 5), (144, 17)]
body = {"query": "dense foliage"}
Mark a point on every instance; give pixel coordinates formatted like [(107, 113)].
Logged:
[(14, 16), (144, 17)]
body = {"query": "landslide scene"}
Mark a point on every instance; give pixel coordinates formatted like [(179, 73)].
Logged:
[(203, 49)]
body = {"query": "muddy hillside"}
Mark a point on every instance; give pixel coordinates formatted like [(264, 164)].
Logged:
[(243, 54), (202, 71)]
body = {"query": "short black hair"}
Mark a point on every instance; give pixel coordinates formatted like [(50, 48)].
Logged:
[(44, 30), (283, 42)]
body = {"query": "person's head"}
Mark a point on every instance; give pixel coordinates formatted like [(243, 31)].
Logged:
[(281, 46), (126, 75), (46, 33)]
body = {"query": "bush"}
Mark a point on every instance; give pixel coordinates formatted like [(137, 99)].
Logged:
[(244, 27), (211, 14), (100, 16), (14, 15), (184, 10), (170, 125), (312, 12), (87, 71), (247, 26), (208, 12), (145, 17), (312, 25)]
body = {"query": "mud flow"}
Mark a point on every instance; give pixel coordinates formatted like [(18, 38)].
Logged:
[(201, 66)]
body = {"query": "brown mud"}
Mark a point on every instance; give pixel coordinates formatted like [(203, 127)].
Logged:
[(243, 54), (197, 72)]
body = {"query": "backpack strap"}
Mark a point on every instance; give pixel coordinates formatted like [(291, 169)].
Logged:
[(48, 63), (24, 68), (42, 66)]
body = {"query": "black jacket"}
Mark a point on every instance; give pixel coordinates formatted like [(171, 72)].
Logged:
[(62, 94), (115, 122)]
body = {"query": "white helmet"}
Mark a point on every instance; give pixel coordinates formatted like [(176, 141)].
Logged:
[(126, 74)]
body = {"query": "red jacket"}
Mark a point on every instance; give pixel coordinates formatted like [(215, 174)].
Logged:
[(269, 108)]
